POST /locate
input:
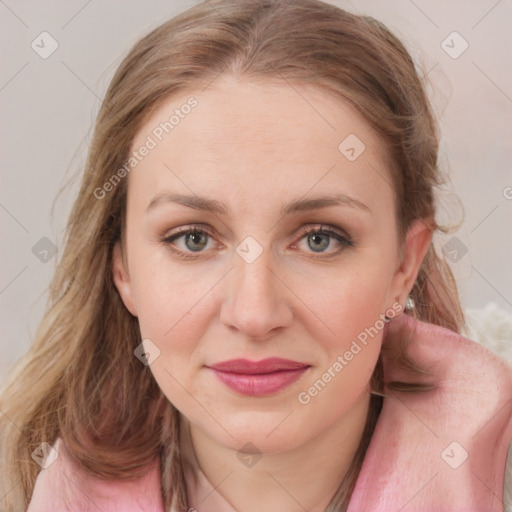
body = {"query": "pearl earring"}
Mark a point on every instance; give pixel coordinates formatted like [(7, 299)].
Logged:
[(409, 303)]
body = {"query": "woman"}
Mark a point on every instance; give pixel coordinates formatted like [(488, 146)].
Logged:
[(227, 327)]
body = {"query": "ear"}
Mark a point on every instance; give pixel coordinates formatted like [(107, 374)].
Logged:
[(122, 279), (418, 240)]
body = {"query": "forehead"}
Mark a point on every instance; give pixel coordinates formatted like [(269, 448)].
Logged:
[(261, 136)]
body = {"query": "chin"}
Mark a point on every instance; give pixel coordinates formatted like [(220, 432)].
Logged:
[(269, 432), (260, 442)]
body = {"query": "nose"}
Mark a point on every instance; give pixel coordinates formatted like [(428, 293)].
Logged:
[(257, 301)]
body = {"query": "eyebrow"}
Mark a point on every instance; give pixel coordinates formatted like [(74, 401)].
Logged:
[(298, 205)]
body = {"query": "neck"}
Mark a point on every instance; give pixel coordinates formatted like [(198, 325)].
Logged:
[(303, 478)]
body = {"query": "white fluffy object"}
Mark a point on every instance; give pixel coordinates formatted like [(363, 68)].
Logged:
[(492, 327)]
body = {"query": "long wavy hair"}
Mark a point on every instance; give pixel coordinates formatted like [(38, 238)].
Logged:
[(80, 380)]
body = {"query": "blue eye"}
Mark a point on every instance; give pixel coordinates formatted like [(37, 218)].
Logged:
[(319, 239), (195, 239)]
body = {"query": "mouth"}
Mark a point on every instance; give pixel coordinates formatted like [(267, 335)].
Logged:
[(258, 378)]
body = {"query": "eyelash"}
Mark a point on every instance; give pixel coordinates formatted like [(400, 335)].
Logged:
[(204, 229)]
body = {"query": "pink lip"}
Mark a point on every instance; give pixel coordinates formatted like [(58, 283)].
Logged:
[(258, 378)]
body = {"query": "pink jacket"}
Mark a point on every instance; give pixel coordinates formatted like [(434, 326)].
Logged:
[(444, 450)]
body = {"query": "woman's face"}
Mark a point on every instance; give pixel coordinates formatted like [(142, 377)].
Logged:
[(250, 167)]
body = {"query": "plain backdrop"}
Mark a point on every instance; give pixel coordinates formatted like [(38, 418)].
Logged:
[(48, 107)]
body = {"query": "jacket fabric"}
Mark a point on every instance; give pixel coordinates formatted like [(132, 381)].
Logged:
[(440, 450)]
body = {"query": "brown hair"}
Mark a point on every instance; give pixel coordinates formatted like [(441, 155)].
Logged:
[(79, 380)]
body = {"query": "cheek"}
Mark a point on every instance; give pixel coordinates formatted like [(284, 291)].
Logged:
[(336, 387), (173, 312), (346, 303), (173, 322), (351, 346), (352, 311), (167, 297)]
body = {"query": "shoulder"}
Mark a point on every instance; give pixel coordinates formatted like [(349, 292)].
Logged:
[(62, 485)]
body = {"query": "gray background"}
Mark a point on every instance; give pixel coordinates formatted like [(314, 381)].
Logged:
[(48, 107)]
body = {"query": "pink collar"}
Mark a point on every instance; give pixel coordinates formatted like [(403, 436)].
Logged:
[(443, 450), (417, 456)]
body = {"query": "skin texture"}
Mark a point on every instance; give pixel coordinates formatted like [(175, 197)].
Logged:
[(256, 146)]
